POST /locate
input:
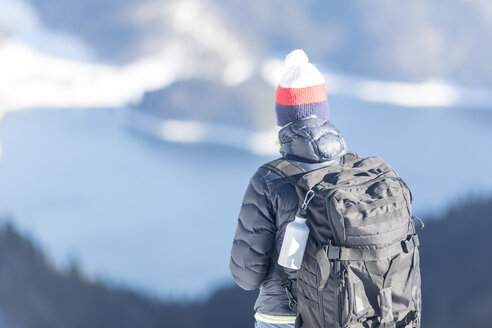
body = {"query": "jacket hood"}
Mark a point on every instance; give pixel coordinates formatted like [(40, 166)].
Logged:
[(312, 139)]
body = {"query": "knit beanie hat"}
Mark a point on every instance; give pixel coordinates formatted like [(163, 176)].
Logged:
[(301, 91)]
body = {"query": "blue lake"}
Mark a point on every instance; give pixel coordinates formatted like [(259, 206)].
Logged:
[(160, 217)]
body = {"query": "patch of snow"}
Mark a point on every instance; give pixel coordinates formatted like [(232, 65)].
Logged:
[(432, 93), (260, 143), (31, 78)]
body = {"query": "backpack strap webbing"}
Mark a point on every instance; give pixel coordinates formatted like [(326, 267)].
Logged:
[(289, 171), (359, 254)]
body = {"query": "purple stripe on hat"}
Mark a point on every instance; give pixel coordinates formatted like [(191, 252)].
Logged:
[(287, 114)]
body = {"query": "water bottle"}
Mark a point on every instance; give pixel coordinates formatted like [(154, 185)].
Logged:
[(294, 244)]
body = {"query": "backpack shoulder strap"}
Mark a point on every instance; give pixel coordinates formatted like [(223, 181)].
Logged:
[(350, 156), (289, 171)]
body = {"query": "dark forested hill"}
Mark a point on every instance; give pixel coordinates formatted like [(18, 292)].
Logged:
[(457, 267), (456, 275), (35, 294)]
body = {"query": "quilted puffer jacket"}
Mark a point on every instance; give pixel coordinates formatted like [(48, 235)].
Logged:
[(270, 203)]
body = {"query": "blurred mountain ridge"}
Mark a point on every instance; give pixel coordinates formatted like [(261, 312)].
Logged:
[(456, 273), (217, 59), (205, 60), (386, 40)]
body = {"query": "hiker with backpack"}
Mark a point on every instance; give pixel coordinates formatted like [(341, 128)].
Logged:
[(360, 263)]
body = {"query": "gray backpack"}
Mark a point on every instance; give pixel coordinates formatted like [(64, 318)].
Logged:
[(361, 266)]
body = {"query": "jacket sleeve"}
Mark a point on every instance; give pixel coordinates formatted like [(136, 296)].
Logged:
[(255, 235)]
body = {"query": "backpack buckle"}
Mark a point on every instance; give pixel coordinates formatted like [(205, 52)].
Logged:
[(333, 252), (405, 246), (410, 243)]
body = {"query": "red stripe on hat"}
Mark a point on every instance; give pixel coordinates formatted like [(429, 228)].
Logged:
[(301, 96)]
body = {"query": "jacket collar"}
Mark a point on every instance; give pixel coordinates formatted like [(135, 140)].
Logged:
[(311, 139)]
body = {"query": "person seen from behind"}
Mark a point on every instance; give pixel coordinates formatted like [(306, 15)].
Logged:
[(308, 139)]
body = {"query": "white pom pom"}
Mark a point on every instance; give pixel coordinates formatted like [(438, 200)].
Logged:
[(296, 57)]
